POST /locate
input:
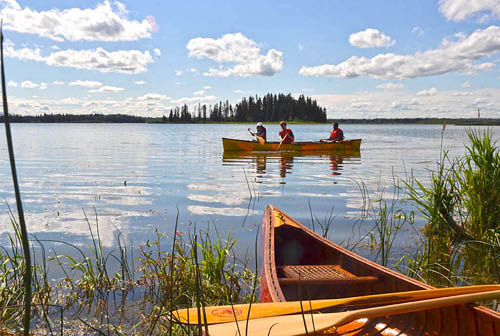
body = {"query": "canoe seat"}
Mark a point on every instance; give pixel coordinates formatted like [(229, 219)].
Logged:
[(321, 274)]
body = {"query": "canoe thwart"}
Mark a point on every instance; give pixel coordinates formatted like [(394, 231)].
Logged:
[(321, 274)]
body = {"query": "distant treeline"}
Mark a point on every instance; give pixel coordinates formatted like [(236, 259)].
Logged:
[(268, 108), (455, 121), (75, 118)]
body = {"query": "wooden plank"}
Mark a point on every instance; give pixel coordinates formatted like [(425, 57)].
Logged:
[(466, 321)]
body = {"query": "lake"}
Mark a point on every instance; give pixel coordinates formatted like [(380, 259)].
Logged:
[(133, 178)]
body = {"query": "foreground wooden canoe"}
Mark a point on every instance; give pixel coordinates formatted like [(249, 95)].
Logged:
[(245, 145), (299, 264)]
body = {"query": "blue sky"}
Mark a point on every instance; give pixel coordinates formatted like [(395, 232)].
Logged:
[(359, 59)]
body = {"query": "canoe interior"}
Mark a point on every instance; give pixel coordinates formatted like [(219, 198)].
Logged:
[(294, 247), (291, 245)]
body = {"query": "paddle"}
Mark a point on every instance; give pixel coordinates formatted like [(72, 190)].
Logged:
[(220, 314), (281, 142), (293, 325), (259, 138)]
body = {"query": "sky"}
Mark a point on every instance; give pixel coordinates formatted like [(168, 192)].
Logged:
[(358, 59)]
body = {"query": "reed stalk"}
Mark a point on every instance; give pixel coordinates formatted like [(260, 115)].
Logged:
[(22, 224)]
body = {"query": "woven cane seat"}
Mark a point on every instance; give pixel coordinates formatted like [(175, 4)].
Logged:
[(311, 274)]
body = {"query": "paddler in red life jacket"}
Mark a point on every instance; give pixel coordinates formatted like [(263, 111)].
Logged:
[(286, 134), (336, 135)]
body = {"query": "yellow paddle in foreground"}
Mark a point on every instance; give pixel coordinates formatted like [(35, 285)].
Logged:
[(221, 314), (293, 325)]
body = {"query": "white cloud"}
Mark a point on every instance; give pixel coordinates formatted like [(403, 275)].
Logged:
[(58, 83), (463, 93), (157, 52), (106, 22), (430, 92), (199, 93), (29, 85), (461, 10), (361, 104), (89, 84), (370, 38), (153, 96), (300, 46), (43, 86), (194, 100), (239, 50), (404, 104), (450, 56), (124, 61), (417, 31), (12, 84), (25, 54), (107, 89), (239, 91), (141, 82), (390, 86), (178, 72), (193, 70), (465, 85), (207, 87)]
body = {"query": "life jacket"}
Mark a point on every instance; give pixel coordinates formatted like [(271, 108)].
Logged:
[(289, 138), (337, 134), (262, 133)]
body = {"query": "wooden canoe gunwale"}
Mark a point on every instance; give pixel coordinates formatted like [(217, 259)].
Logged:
[(464, 320), (273, 146)]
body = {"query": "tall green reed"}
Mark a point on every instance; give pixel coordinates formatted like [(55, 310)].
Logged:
[(22, 225), (461, 208)]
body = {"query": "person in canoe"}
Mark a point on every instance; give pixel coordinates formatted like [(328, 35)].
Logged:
[(260, 134), (286, 134), (336, 135)]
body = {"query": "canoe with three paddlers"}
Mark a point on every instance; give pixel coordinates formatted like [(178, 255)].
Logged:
[(246, 145), (299, 264)]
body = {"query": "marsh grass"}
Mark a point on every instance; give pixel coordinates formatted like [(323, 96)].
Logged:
[(460, 206), (386, 216), (326, 224), (460, 243), (114, 293)]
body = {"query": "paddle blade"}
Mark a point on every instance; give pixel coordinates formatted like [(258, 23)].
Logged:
[(294, 325), (261, 140), (221, 314)]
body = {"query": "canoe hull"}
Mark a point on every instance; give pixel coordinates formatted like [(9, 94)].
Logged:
[(286, 242), (245, 145)]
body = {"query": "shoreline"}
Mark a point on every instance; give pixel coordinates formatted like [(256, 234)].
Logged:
[(341, 122)]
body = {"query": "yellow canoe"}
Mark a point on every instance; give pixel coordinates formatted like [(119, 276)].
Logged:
[(245, 145)]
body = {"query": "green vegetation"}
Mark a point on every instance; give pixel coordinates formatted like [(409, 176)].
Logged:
[(462, 211), (460, 242), (115, 293)]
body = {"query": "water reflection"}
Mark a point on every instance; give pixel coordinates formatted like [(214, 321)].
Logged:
[(263, 163)]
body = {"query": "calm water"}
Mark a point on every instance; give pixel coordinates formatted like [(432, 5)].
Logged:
[(138, 176)]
